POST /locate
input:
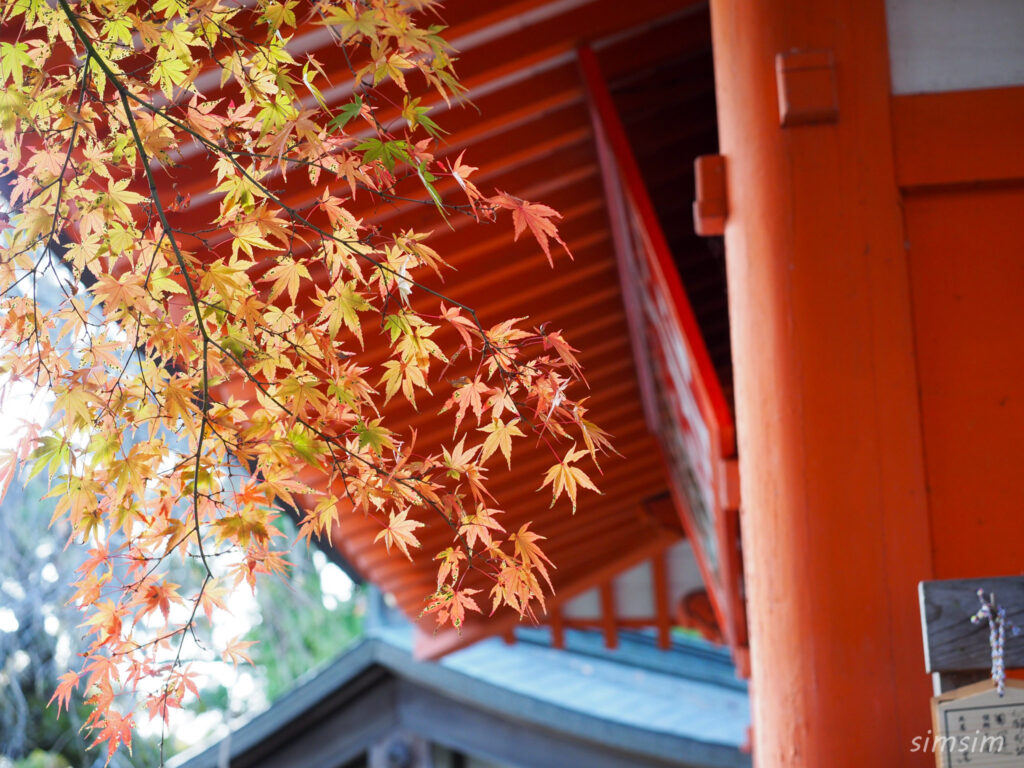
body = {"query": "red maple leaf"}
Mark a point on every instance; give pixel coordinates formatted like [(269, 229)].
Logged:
[(115, 730), (535, 216), (68, 683)]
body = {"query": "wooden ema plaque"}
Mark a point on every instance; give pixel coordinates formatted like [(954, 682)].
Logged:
[(973, 726)]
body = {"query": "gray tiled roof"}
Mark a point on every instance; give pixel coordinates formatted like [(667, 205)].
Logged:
[(679, 707), (612, 689)]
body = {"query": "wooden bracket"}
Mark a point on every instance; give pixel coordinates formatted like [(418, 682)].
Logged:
[(711, 206), (729, 484), (807, 87)]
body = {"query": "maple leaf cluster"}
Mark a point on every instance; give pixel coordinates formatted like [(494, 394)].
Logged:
[(227, 326)]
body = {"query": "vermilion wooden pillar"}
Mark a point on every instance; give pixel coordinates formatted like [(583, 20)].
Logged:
[(835, 522)]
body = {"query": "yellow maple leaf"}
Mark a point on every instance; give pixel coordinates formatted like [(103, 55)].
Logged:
[(500, 436), (247, 236), (286, 275), (563, 477), (119, 197), (399, 531), (479, 526)]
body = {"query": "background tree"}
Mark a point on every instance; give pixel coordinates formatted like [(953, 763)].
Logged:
[(297, 625), (39, 640), (240, 337), (316, 626)]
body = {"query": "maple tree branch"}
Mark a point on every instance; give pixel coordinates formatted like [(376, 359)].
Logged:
[(294, 213), (193, 297), (59, 180), (207, 340), (168, 232), (331, 439), (163, 438), (125, 94)]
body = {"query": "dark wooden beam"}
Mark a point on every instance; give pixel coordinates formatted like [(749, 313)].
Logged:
[(557, 628), (659, 573), (608, 616)]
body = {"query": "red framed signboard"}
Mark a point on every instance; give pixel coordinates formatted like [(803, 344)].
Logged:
[(684, 404)]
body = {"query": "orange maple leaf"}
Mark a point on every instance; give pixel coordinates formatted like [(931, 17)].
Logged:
[(500, 436), (159, 596), (106, 621), (450, 605), (556, 341), (536, 216), (399, 531), (529, 552), (449, 567), (462, 603), (463, 325), (563, 477), (469, 394), (115, 730), (159, 705), (68, 683), (236, 651), (461, 172), (479, 526)]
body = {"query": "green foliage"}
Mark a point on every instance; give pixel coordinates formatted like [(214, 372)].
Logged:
[(300, 626), (40, 759), (297, 634)]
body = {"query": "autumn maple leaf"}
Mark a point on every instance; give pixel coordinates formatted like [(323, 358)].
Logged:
[(8, 467), (460, 458), (563, 477), (449, 567), (461, 604), (68, 683), (399, 531), (106, 621), (465, 327), (99, 557), (535, 216), (594, 438), (235, 651), (244, 298), (461, 172), (213, 597), (557, 342), (451, 605), (529, 552), (159, 706), (468, 394), (500, 436), (158, 596), (479, 526), (286, 274), (115, 729)]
